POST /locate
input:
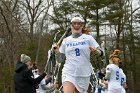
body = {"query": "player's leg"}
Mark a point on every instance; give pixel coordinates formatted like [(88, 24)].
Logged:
[(68, 87)]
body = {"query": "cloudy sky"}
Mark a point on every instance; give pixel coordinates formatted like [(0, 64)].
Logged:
[(136, 3)]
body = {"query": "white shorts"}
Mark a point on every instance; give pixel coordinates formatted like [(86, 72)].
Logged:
[(81, 83), (119, 90)]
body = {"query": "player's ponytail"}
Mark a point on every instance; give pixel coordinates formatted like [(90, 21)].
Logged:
[(115, 57), (85, 30)]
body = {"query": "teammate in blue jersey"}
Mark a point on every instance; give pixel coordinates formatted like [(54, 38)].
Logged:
[(75, 50)]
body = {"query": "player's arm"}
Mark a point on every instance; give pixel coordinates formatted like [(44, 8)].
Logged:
[(107, 76), (94, 47), (60, 57), (108, 73), (125, 85), (59, 52)]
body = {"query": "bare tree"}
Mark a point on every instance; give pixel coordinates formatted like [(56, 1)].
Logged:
[(33, 10), (8, 47), (45, 15)]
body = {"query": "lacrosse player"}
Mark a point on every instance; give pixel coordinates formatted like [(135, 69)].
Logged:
[(113, 73), (75, 50)]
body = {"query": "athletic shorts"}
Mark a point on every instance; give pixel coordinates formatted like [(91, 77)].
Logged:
[(119, 90), (81, 83)]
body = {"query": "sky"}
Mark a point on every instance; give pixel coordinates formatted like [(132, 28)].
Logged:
[(135, 3)]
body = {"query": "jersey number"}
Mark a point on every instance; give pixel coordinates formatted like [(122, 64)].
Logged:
[(122, 81), (117, 75), (77, 51)]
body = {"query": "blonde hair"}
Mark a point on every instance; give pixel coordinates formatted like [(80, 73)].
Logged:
[(114, 57)]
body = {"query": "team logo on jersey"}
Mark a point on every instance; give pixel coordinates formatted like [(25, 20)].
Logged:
[(70, 44)]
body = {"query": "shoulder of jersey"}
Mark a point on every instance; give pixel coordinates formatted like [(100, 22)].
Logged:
[(108, 65), (87, 36), (67, 38), (64, 39), (121, 70)]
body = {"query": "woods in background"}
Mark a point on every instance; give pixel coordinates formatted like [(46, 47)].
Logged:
[(28, 26)]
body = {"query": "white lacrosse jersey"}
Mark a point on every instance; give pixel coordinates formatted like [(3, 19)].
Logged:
[(122, 80), (114, 79), (77, 54)]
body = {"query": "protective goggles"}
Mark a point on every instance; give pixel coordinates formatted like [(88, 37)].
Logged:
[(77, 23)]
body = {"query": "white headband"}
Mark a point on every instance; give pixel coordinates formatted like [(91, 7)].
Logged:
[(77, 18)]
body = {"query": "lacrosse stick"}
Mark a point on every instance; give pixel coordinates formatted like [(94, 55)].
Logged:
[(51, 62), (50, 56)]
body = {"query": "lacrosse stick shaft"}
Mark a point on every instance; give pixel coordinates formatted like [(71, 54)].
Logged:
[(66, 32), (51, 51)]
